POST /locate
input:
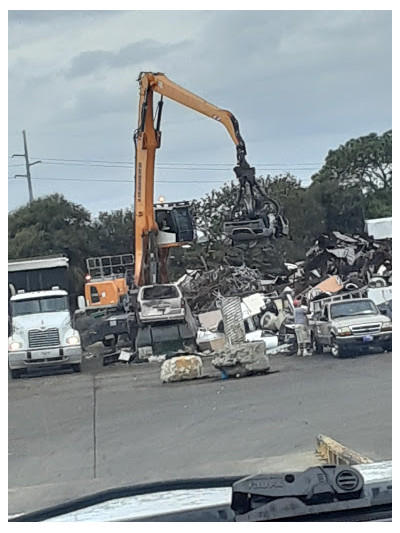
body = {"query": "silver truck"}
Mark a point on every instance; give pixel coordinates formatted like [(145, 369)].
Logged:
[(349, 325), (42, 334)]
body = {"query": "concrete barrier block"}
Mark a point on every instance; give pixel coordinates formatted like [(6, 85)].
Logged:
[(242, 359), (181, 368)]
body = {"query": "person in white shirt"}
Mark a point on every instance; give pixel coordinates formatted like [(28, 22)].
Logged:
[(302, 329)]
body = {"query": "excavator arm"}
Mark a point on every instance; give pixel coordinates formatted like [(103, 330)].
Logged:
[(149, 256)]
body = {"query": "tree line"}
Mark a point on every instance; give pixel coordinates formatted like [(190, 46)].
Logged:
[(354, 184)]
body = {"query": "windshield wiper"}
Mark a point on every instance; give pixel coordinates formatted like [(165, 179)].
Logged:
[(324, 493), (320, 490)]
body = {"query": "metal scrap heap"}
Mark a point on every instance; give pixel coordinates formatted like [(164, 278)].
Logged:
[(356, 260), (204, 290)]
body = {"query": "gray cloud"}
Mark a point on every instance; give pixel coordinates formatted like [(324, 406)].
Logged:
[(47, 16), (89, 62), (299, 82)]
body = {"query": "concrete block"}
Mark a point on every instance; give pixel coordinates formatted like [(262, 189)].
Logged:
[(181, 368), (242, 359), (215, 345)]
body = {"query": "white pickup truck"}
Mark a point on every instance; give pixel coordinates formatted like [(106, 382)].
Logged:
[(350, 325), (42, 333)]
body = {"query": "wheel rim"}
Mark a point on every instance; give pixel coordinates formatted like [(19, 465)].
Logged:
[(335, 350)]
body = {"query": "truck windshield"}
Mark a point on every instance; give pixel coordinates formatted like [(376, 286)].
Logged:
[(350, 308), (39, 305)]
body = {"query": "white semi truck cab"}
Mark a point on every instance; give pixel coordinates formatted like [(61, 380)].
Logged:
[(42, 332)]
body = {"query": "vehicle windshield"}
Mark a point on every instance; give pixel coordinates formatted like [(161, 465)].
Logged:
[(160, 292), (40, 305), (351, 308)]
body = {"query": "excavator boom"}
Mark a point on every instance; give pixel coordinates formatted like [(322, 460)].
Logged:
[(149, 260), (159, 83)]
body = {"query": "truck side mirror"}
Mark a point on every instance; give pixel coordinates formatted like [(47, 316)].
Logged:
[(384, 311), (81, 302)]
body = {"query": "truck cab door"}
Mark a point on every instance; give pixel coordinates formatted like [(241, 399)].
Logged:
[(324, 326)]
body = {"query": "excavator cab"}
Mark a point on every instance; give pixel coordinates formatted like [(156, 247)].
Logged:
[(108, 279), (175, 223)]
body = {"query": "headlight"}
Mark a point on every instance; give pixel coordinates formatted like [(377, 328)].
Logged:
[(73, 340), (386, 326), (15, 345), (344, 331)]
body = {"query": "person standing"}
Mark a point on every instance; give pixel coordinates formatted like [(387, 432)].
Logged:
[(302, 329)]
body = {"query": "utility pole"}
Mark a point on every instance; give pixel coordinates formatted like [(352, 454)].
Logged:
[(28, 167)]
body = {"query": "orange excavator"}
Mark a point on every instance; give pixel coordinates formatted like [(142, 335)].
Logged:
[(160, 227)]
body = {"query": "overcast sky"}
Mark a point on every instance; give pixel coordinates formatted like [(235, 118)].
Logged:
[(299, 82)]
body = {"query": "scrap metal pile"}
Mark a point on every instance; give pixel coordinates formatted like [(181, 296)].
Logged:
[(204, 290), (356, 261)]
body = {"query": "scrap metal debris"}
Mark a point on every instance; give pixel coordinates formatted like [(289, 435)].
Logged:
[(205, 289), (354, 258), (348, 261)]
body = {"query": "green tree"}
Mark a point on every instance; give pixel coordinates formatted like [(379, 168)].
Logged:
[(355, 183), (51, 226), (365, 162), (114, 233)]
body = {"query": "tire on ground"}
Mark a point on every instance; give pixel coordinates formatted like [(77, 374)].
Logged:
[(387, 346), (336, 350)]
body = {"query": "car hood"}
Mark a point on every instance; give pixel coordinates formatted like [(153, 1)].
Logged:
[(359, 320), (41, 321), (158, 503), (149, 505)]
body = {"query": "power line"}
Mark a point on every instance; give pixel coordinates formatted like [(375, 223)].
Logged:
[(88, 180), (130, 163), (124, 181), (166, 163), (185, 168)]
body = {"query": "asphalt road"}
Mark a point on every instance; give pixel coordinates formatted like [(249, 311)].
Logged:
[(75, 434)]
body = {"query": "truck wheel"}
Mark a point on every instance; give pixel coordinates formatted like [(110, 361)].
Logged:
[(76, 367), (15, 373), (387, 346), (316, 346), (336, 350)]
